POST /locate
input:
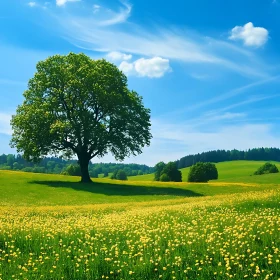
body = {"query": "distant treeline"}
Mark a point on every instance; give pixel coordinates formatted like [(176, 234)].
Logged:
[(223, 155), (55, 165)]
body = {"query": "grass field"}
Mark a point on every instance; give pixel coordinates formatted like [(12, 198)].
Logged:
[(236, 171), (52, 227)]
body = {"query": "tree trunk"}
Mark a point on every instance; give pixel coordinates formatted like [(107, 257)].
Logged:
[(84, 161)]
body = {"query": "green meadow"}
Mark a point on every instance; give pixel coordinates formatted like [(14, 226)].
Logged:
[(54, 227), (234, 171)]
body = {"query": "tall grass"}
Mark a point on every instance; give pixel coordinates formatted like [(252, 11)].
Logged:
[(52, 227)]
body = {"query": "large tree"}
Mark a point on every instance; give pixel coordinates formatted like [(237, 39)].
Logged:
[(78, 106)]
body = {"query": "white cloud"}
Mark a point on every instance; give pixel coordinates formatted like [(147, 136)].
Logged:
[(127, 68), (250, 35), (31, 4), (154, 67), (63, 2), (118, 56), (5, 127)]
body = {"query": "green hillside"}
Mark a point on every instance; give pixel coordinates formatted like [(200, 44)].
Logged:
[(55, 225), (23, 188), (233, 171)]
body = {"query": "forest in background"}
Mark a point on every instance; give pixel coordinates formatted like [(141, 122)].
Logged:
[(54, 165), (267, 154)]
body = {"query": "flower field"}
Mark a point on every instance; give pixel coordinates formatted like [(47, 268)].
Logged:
[(234, 236)]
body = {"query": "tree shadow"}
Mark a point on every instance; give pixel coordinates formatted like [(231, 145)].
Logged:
[(118, 189)]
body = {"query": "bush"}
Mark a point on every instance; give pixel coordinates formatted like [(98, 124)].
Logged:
[(121, 175), (72, 170), (5, 167), (158, 170), (170, 170), (266, 169), (164, 178), (203, 172), (114, 175)]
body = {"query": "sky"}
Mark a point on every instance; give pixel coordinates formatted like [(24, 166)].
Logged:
[(208, 70)]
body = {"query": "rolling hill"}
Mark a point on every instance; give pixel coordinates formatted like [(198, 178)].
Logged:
[(233, 171)]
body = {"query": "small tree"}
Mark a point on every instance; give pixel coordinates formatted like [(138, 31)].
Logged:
[(121, 175), (158, 170), (171, 170), (72, 170), (164, 178), (203, 172), (114, 175), (266, 169), (78, 106)]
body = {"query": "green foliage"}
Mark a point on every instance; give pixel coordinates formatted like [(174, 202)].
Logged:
[(174, 175), (73, 170), (76, 105), (266, 169), (203, 172), (114, 175), (121, 175), (53, 165), (222, 155), (164, 178), (170, 170), (158, 170), (5, 167)]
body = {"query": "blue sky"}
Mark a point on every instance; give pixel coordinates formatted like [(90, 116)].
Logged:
[(208, 70)]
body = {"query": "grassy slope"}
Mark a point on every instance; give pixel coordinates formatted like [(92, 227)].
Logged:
[(20, 188), (233, 171)]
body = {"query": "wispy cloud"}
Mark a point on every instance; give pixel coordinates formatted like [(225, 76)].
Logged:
[(96, 8), (194, 140), (230, 94), (117, 17), (5, 127), (103, 33)]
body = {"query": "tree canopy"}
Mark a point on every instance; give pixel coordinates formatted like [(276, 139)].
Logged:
[(223, 155), (266, 169), (167, 172), (203, 172), (78, 106)]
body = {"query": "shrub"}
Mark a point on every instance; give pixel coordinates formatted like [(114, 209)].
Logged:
[(121, 175), (158, 170), (170, 169), (164, 178), (114, 175), (266, 169), (5, 167), (72, 170), (203, 172)]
